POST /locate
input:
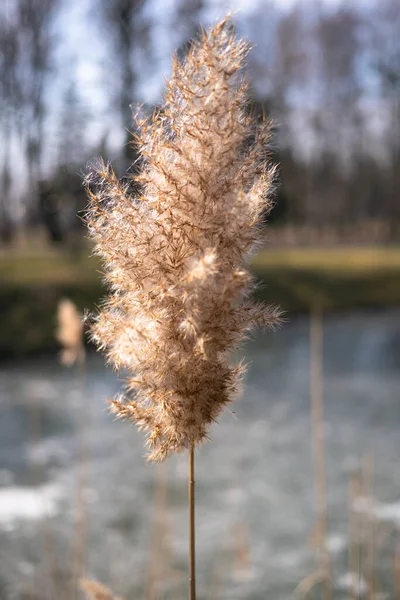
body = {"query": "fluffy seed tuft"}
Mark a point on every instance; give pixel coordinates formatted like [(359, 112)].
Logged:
[(176, 254)]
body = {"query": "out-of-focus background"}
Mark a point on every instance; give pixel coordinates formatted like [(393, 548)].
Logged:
[(299, 489)]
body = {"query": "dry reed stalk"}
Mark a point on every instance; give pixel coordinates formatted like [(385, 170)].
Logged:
[(240, 556), (396, 571), (176, 254), (80, 537), (97, 591), (368, 487), (242, 551), (354, 556), (308, 583), (171, 574), (317, 423), (219, 572), (69, 333), (192, 552), (217, 575), (43, 579), (157, 549), (34, 435)]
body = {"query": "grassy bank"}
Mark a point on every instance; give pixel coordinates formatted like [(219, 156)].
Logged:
[(332, 278), (31, 285)]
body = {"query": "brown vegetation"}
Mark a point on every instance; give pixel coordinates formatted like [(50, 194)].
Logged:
[(176, 255)]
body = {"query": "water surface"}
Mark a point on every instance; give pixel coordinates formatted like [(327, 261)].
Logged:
[(63, 458)]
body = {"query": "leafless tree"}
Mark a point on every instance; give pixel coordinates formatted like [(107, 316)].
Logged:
[(26, 41), (121, 20)]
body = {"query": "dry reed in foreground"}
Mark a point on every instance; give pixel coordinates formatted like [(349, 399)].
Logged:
[(176, 253)]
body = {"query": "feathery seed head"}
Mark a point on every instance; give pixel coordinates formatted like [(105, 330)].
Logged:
[(176, 255)]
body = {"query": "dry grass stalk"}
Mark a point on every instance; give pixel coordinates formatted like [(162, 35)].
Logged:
[(233, 558), (221, 567), (368, 486), (396, 571), (354, 555), (307, 584), (97, 591), (242, 551), (43, 582), (192, 550), (175, 255), (317, 422), (70, 333), (79, 543), (157, 546)]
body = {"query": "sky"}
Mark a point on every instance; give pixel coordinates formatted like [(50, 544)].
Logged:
[(83, 55)]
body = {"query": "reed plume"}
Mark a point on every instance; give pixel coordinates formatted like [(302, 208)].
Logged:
[(176, 253), (69, 333)]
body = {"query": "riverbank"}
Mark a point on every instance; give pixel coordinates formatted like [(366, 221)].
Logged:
[(298, 279)]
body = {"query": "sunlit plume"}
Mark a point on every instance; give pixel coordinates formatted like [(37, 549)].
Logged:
[(176, 253)]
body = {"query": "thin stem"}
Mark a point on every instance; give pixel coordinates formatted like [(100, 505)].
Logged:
[(192, 559), (157, 547), (317, 419), (354, 537), (368, 477), (79, 549)]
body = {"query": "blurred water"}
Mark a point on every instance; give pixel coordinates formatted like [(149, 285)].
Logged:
[(255, 503)]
